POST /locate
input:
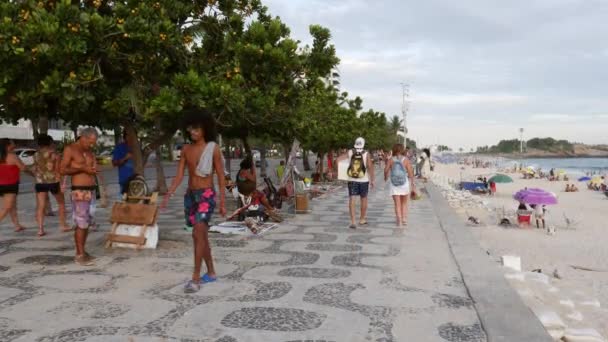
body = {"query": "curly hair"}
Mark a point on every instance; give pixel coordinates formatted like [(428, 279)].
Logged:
[(200, 118)]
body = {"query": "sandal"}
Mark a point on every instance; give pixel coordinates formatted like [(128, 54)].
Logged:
[(192, 287), (206, 278), (353, 226), (363, 222)]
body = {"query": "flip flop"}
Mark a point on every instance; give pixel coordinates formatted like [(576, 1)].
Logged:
[(364, 222), (41, 234), (192, 287), (207, 279), (353, 226)]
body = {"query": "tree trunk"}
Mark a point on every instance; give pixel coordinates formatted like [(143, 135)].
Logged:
[(305, 160), (43, 124), (246, 146), (320, 159), (133, 141), (74, 128), (35, 132), (171, 146), (227, 160), (263, 161), (286, 151), (161, 182), (117, 133)]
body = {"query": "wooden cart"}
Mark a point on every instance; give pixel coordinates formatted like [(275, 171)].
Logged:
[(141, 211)]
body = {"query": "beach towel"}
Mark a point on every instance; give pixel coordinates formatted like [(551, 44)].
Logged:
[(205, 164)]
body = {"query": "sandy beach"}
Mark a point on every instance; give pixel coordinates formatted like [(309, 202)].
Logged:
[(580, 297)]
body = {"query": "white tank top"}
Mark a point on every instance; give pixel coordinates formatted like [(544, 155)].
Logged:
[(365, 178)]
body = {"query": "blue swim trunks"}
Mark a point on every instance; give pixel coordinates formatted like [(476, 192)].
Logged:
[(199, 206)]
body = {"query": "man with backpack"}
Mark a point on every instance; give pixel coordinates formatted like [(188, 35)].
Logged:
[(360, 177), (400, 175)]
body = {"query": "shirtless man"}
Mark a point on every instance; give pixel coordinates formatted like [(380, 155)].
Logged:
[(79, 162), (199, 200)]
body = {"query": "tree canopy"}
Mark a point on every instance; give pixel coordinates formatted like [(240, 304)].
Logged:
[(136, 64)]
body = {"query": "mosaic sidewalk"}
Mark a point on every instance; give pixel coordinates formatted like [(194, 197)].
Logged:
[(312, 279)]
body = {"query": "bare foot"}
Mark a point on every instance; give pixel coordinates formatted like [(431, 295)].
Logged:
[(82, 260), (66, 229), (41, 233), (19, 228)]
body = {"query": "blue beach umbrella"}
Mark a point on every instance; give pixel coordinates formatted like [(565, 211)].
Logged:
[(584, 179)]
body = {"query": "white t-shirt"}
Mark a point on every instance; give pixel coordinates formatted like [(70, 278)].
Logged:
[(365, 178)]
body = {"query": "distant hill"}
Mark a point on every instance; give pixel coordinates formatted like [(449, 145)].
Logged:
[(545, 148)]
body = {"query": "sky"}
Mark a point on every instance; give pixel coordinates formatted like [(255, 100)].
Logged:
[(478, 70)]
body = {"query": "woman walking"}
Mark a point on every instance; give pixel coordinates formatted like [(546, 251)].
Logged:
[(400, 175), (46, 172), (10, 170)]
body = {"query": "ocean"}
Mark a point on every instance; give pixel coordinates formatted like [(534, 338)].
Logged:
[(578, 166)]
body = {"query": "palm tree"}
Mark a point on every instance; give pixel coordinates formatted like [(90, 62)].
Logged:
[(395, 124)]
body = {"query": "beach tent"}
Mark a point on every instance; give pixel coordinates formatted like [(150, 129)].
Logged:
[(584, 179)]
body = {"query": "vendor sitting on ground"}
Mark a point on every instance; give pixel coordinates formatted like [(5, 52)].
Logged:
[(246, 183)]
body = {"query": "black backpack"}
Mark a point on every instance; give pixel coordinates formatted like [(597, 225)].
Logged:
[(356, 168)]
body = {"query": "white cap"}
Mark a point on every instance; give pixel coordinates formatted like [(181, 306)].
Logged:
[(360, 143)]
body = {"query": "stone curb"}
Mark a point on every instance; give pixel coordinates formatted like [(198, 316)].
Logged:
[(502, 313)]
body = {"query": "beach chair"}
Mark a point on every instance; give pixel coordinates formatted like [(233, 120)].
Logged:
[(524, 218)]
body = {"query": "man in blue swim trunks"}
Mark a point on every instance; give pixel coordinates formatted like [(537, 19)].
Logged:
[(199, 200)]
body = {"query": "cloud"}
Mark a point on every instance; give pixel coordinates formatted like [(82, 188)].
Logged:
[(468, 99), (496, 65)]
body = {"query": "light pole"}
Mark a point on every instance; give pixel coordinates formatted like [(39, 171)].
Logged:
[(521, 141), (404, 108)]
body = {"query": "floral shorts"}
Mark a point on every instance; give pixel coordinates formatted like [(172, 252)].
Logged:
[(81, 207), (199, 205)]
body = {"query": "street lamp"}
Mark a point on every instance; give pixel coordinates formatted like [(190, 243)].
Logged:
[(405, 88)]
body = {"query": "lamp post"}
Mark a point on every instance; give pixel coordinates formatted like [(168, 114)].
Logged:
[(521, 141), (405, 88)]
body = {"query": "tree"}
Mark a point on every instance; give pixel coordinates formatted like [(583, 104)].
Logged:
[(442, 148), (53, 49), (396, 124)]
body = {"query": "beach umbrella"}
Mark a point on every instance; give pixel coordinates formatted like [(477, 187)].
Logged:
[(535, 196), (584, 179), (500, 178), (596, 180)]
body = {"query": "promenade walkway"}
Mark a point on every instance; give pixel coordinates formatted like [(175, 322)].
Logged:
[(313, 279)]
